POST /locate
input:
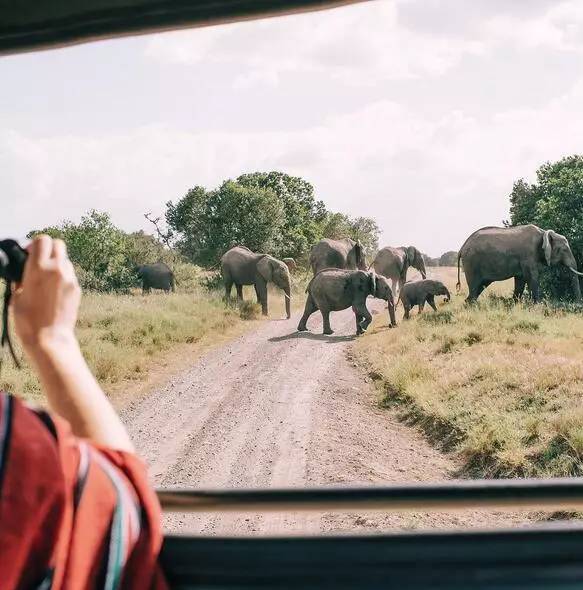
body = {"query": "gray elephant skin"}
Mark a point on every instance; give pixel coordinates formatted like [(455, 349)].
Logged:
[(240, 266), (290, 263), (336, 289), (393, 263), (498, 253), (156, 276), (343, 253), (421, 292)]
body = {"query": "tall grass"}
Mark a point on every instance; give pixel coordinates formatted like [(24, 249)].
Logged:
[(498, 382)]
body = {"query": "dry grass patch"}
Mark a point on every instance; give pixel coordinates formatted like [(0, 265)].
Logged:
[(501, 384), (126, 338)]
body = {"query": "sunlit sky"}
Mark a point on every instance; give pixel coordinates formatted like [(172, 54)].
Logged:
[(419, 113)]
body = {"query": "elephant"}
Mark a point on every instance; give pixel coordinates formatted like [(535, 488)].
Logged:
[(290, 263), (499, 253), (337, 289), (156, 276), (419, 292), (241, 266), (393, 263), (343, 253)]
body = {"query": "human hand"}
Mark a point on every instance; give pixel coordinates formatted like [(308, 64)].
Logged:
[(45, 304)]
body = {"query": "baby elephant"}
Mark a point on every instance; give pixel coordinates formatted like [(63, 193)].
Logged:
[(419, 292), (334, 289)]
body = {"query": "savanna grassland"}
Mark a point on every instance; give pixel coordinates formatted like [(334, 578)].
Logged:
[(131, 340), (499, 383)]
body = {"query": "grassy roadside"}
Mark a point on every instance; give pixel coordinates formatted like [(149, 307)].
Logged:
[(500, 384), (132, 342)]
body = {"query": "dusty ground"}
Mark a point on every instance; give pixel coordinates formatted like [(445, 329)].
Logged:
[(276, 408)]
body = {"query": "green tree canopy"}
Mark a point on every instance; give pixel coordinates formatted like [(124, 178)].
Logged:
[(448, 258), (208, 223), (99, 251), (302, 213), (271, 212), (554, 201)]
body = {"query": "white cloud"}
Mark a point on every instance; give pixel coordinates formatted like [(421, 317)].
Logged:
[(427, 180), (357, 44)]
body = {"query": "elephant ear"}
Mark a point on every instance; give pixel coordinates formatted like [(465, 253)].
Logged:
[(265, 268), (547, 246), (372, 281)]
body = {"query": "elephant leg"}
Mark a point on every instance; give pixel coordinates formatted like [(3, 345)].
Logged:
[(431, 301), (519, 284), (309, 309), (239, 292), (534, 289), (228, 287), (362, 314), (326, 321), (407, 308), (421, 306), (476, 290), (257, 294), (261, 290)]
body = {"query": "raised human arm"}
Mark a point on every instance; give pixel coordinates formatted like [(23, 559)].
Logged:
[(45, 307)]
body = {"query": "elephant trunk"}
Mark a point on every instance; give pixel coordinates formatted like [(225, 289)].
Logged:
[(287, 293), (575, 283)]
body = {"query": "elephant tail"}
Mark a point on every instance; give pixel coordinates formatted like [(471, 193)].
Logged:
[(458, 285)]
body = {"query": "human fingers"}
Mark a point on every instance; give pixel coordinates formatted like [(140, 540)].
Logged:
[(40, 250), (59, 250)]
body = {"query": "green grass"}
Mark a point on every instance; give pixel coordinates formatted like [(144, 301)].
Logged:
[(500, 384), (126, 338)]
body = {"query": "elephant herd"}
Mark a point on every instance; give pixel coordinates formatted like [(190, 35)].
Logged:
[(342, 279)]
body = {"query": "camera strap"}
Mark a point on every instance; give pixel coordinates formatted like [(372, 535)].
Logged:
[(5, 340), (12, 260)]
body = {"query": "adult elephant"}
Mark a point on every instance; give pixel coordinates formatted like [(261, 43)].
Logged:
[(156, 276), (241, 266), (343, 253), (499, 253), (393, 263), (336, 289)]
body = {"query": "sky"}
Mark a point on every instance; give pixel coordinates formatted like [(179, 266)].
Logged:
[(419, 113)]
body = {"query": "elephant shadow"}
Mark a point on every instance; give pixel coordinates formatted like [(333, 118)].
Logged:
[(332, 339)]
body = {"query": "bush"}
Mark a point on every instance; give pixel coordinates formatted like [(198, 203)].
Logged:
[(105, 257)]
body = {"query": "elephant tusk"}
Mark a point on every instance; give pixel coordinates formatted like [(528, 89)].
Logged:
[(287, 296), (575, 271)]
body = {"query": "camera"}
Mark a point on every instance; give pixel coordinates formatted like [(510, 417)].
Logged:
[(12, 259)]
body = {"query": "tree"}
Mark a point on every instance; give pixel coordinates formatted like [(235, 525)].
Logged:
[(99, 251), (366, 231), (186, 222), (271, 212), (448, 258), (555, 202), (302, 213), (209, 223)]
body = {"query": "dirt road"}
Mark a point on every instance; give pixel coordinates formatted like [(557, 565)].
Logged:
[(277, 408)]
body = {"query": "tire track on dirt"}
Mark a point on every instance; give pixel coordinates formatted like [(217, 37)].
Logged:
[(277, 408)]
